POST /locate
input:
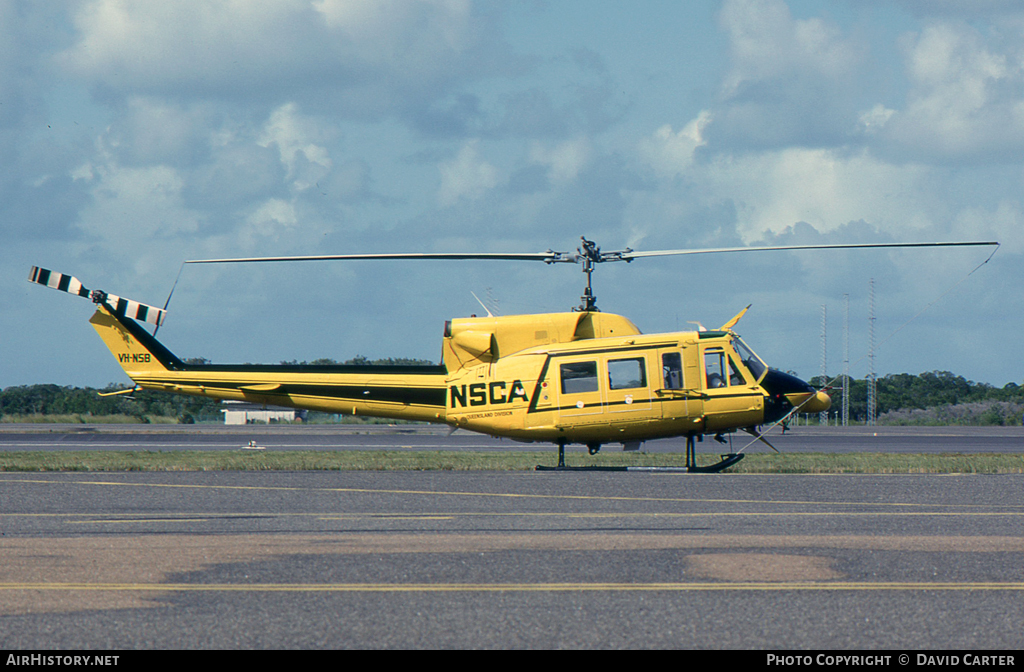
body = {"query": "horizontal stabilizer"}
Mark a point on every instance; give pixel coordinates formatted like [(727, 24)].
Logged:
[(72, 285)]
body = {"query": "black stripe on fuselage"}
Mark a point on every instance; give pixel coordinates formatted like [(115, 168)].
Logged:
[(653, 400), (539, 387), (395, 394), (360, 369)]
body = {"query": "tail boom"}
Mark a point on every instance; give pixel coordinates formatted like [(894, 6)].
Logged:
[(399, 392)]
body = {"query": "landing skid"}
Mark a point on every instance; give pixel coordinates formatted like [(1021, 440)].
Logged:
[(691, 467)]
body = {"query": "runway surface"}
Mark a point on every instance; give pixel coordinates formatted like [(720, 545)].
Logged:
[(438, 437), (510, 560)]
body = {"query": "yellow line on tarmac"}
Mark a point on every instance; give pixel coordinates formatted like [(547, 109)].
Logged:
[(137, 520), (191, 517), (700, 514), (96, 517), (511, 495), (519, 587)]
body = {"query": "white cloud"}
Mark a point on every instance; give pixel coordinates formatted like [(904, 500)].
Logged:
[(133, 206), (8, 58), (565, 160), (767, 43), (158, 131), (965, 98), (791, 81), (466, 176), (293, 135), (825, 188), (671, 153), (875, 119), (974, 10), (270, 220), (775, 189), (353, 56), (1003, 222), (136, 223), (392, 30), (127, 41)]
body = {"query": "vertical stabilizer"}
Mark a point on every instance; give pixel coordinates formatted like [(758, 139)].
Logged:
[(137, 352)]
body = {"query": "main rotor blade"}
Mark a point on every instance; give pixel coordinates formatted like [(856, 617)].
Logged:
[(549, 257), (630, 255)]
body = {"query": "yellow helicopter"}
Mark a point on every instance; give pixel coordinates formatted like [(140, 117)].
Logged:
[(581, 377)]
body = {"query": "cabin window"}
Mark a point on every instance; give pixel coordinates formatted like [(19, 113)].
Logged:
[(625, 374), (579, 377), (672, 369)]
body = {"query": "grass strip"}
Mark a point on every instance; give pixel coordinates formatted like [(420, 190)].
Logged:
[(405, 460)]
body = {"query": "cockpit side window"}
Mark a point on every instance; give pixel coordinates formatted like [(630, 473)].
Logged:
[(735, 377), (754, 363), (672, 368), (715, 369)]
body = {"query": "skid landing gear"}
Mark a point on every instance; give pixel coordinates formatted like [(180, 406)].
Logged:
[(727, 461)]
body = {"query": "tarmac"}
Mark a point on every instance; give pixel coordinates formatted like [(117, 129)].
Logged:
[(486, 560)]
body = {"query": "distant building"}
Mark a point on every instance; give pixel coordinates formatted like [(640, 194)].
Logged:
[(246, 413)]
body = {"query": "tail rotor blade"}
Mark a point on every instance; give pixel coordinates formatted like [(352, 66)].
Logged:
[(61, 281), (135, 310), (72, 285)]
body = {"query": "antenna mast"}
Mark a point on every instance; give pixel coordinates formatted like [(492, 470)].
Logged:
[(872, 388), (846, 359), (823, 416)]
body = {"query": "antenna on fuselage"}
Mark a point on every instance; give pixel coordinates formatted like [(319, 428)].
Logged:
[(481, 304)]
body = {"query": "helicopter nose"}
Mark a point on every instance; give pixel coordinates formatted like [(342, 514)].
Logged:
[(819, 402), (787, 392)]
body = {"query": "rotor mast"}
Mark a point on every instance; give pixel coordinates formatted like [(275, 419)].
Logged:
[(590, 254)]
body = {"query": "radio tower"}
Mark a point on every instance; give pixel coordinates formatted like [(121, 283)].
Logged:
[(872, 389), (823, 416), (846, 359)]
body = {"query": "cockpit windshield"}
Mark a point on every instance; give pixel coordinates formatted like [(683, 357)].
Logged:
[(752, 361)]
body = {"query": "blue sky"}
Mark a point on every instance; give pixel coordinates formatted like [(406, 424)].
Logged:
[(135, 135)]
